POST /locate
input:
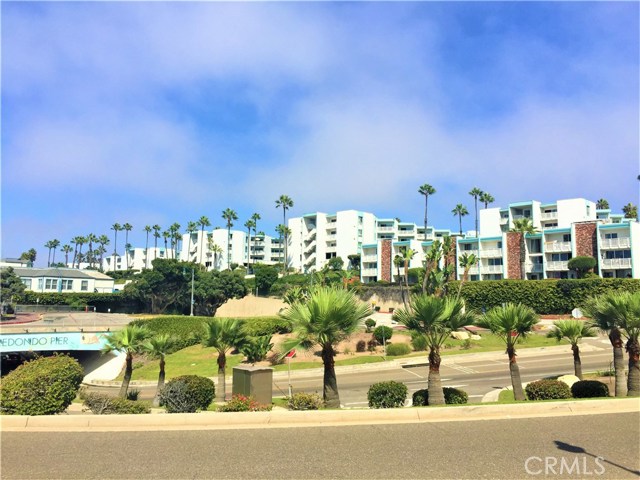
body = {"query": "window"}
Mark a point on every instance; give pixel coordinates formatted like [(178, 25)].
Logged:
[(495, 261), (566, 237), (51, 284), (27, 283), (559, 257), (535, 245), (610, 235), (40, 281), (499, 244), (84, 285), (618, 254), (66, 284)]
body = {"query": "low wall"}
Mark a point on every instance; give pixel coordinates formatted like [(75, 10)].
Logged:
[(251, 306)]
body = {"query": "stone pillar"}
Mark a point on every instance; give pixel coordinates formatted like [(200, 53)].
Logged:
[(385, 261), (514, 269), (586, 241)]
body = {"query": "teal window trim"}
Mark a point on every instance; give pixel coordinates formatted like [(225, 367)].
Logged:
[(557, 230), (623, 225), (521, 204), (468, 240), (490, 239)]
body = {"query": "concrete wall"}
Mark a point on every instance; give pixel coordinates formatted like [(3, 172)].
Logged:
[(251, 306)]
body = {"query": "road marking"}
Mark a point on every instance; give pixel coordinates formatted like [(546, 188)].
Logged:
[(461, 368), (355, 403), (411, 371), (457, 386), (472, 396)]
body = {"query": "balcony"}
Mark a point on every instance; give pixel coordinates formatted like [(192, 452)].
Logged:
[(557, 247), (616, 262), (491, 253), (469, 252), (613, 243), (331, 249), (518, 217), (331, 236), (384, 228), (549, 215), (559, 265), (533, 267), (504, 220), (491, 268), (474, 270), (369, 272), (369, 258)]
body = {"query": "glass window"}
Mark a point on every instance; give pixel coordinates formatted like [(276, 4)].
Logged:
[(39, 284), (610, 235), (67, 284), (27, 283), (51, 284), (84, 285), (566, 237)]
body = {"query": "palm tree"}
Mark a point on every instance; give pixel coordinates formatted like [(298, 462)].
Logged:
[(435, 318), (78, 241), (229, 215), (630, 211), (174, 230), (67, 249), (407, 255), (90, 254), (49, 245), (460, 211), (203, 222), (524, 227), (147, 230), (127, 227), (103, 240), (511, 322), (426, 190), (574, 331), (476, 193), (249, 224), (467, 261), (158, 347), (398, 262), (327, 317), (129, 340), (166, 235), (55, 243), (156, 235), (486, 198), (223, 335), (116, 227), (216, 250), (285, 203), (602, 204), (255, 217)]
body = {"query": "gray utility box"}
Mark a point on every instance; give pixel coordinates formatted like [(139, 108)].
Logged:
[(254, 381)]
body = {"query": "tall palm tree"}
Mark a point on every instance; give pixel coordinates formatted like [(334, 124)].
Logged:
[(398, 261), (129, 340), (476, 193), (524, 227), (216, 250), (511, 322), (460, 211), (574, 331), (203, 222), (67, 249), (602, 204), (435, 318), (255, 217), (77, 241), (49, 245), (166, 235), (156, 235), (91, 238), (223, 334), (285, 203), (116, 227), (327, 317), (426, 190), (407, 256), (127, 227), (103, 241), (158, 347), (147, 230), (249, 224), (486, 198), (467, 261), (174, 230), (230, 216), (55, 243)]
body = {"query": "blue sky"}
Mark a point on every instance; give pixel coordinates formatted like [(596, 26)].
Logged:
[(163, 112)]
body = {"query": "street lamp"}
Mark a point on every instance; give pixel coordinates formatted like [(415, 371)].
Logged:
[(192, 277)]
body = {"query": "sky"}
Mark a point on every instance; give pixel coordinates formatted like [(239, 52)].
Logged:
[(160, 112)]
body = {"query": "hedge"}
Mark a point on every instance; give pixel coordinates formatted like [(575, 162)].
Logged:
[(452, 396), (589, 389), (103, 404), (187, 331), (187, 394), (387, 395), (547, 390), (116, 302)]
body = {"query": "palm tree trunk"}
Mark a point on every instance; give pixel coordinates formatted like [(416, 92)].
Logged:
[(426, 206), (330, 393), (128, 370), (633, 382), (222, 368), (618, 362), (156, 399), (577, 364), (514, 370), (460, 220), (436, 394)]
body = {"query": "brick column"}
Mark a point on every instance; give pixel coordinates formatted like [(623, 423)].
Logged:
[(586, 242), (514, 269), (385, 261)]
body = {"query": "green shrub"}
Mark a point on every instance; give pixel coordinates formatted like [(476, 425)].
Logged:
[(372, 344), (103, 404), (382, 332), (304, 401), (187, 394), (242, 403), (44, 386), (369, 323), (186, 331), (133, 394), (452, 396), (361, 346), (261, 326), (547, 390), (256, 348), (418, 341), (397, 349), (589, 389), (387, 394)]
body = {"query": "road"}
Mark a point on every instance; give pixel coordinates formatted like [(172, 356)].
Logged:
[(559, 447)]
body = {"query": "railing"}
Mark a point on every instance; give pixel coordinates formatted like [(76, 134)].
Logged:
[(620, 242), (369, 258), (616, 263), (504, 220), (369, 272), (548, 215), (331, 249), (533, 267), (491, 268), (491, 253), (558, 265), (557, 247), (383, 228), (518, 217), (469, 252)]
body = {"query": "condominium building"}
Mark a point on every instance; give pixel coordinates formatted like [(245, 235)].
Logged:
[(136, 258)]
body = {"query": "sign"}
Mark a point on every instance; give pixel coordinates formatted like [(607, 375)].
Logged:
[(36, 342), (577, 313), (291, 354)]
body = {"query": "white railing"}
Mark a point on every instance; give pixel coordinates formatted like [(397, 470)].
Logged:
[(504, 220), (382, 228), (331, 236), (558, 265), (518, 217), (491, 268), (548, 215), (557, 247), (616, 263), (310, 249), (620, 242), (369, 258), (491, 253), (369, 272), (331, 249), (533, 267), (469, 252)]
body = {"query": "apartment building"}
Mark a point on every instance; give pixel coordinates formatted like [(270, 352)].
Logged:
[(136, 258)]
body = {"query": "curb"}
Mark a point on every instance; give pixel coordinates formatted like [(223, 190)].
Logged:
[(286, 419)]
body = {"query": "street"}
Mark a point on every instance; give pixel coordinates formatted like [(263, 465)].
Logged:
[(602, 446)]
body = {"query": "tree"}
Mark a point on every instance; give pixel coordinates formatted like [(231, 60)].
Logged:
[(285, 203), (216, 250), (158, 347), (175, 238), (147, 230), (354, 261), (67, 249), (49, 245), (10, 287), (80, 241), (630, 211), (129, 340), (398, 262), (203, 222), (523, 227), (213, 288), (249, 224), (255, 217), (329, 316), (574, 331), (582, 265), (91, 238), (335, 264), (486, 198), (116, 227), (602, 204), (460, 211), (426, 190), (223, 335), (127, 227), (467, 261), (230, 216), (103, 241), (265, 276), (29, 256), (55, 243), (511, 322), (435, 318), (156, 235), (476, 193)]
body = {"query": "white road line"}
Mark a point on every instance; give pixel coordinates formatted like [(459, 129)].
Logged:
[(409, 370)]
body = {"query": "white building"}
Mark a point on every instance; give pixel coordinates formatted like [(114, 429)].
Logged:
[(51, 280)]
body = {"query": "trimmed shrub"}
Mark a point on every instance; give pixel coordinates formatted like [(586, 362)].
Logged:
[(133, 394), (452, 396), (547, 390), (103, 404), (397, 349), (186, 331), (369, 323), (418, 342), (242, 403), (44, 386), (263, 326), (304, 401), (589, 389), (382, 333), (387, 394), (372, 344), (187, 394), (256, 348), (361, 346)]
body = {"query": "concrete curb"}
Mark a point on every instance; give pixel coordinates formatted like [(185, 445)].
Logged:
[(286, 419)]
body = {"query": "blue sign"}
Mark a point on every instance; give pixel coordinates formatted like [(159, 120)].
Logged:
[(20, 342)]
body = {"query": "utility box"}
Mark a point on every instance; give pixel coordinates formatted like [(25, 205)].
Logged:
[(254, 381)]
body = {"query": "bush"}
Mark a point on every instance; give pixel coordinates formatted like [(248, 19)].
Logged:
[(304, 401), (387, 395), (397, 349), (262, 326), (369, 323), (103, 404), (418, 342), (44, 386), (452, 396), (382, 333), (187, 394), (589, 389), (361, 346), (372, 344), (547, 390), (186, 331), (242, 403), (257, 348), (133, 394)]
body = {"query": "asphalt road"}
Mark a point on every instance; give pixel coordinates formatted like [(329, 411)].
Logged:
[(602, 446)]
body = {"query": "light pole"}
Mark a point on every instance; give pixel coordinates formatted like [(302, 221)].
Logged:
[(192, 278)]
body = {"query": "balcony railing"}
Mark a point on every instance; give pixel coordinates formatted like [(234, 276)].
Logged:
[(504, 220), (616, 263), (620, 242), (533, 267), (369, 258), (469, 252), (558, 265), (557, 247), (549, 215), (491, 253), (491, 268), (331, 249), (384, 228), (369, 272), (518, 217)]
